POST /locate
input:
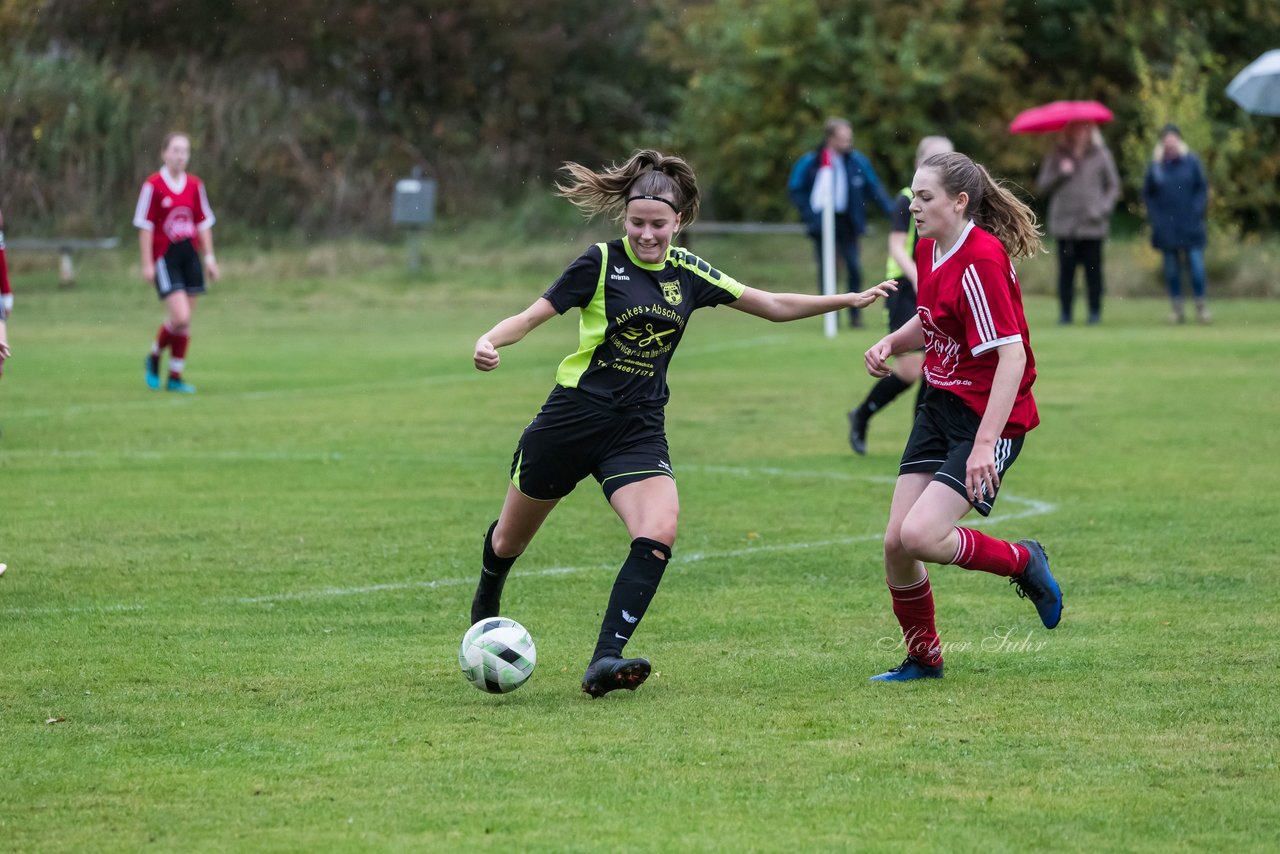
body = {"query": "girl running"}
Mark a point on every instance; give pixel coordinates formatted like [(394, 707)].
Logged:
[(604, 418), (978, 406), (172, 210)]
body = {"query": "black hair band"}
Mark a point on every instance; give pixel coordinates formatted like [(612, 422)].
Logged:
[(666, 202)]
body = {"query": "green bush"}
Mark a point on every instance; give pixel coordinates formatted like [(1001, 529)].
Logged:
[(82, 135)]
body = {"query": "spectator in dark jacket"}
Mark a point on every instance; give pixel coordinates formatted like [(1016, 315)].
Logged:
[(1177, 195), (855, 180)]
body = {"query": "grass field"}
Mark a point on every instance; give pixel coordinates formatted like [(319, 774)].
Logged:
[(240, 610)]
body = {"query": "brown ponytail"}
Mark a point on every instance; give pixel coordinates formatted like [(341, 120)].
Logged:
[(991, 205), (646, 173)]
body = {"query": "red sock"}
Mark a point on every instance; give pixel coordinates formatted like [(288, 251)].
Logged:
[(913, 606), (178, 354), (163, 339), (978, 551)]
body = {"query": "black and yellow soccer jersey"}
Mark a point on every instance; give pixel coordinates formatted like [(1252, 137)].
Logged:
[(633, 316)]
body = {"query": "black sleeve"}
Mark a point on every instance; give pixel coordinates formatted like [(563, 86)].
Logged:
[(577, 284), (715, 290), (901, 219)]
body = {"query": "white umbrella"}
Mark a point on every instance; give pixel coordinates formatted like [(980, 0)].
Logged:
[(1257, 87)]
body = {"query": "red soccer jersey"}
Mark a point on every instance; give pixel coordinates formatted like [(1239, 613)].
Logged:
[(175, 211), (4, 269), (969, 304)]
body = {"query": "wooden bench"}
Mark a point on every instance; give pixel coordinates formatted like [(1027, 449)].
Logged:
[(64, 246)]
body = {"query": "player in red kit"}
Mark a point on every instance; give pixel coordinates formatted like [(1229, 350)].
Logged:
[(172, 212), (6, 300), (978, 407)]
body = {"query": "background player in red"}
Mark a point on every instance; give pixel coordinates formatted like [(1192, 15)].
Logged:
[(172, 212), (6, 300), (605, 417), (978, 406)]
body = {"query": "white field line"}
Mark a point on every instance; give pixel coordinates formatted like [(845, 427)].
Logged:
[(152, 400), (328, 592), (1025, 507), (143, 455), (537, 573)]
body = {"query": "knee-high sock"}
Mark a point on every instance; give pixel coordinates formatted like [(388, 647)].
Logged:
[(633, 590), (913, 606), (178, 354), (987, 554), (493, 575), (163, 339)]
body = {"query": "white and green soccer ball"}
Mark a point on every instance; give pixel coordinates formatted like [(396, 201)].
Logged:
[(497, 655)]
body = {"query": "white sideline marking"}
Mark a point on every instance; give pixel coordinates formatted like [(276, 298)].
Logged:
[(141, 455), (1031, 507), (86, 609), (535, 573), (153, 400)]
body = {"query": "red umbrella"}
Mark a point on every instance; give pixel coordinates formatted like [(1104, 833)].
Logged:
[(1048, 118)]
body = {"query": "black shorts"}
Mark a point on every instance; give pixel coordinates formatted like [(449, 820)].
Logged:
[(901, 303), (575, 435), (179, 270), (942, 439)]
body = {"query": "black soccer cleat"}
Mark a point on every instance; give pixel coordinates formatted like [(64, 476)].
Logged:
[(611, 673), (858, 431)]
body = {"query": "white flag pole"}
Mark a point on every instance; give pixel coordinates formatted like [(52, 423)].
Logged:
[(831, 319)]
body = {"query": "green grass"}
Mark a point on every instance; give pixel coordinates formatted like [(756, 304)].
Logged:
[(244, 606)]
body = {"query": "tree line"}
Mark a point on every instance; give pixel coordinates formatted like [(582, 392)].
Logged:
[(303, 115)]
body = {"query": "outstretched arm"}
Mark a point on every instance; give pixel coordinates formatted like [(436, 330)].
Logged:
[(510, 331), (783, 307)]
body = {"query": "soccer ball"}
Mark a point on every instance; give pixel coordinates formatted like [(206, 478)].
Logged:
[(497, 655)]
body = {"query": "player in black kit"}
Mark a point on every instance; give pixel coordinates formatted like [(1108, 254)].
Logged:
[(604, 417)]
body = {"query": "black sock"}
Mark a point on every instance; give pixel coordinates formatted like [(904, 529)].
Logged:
[(633, 590), (883, 393), (493, 574)]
